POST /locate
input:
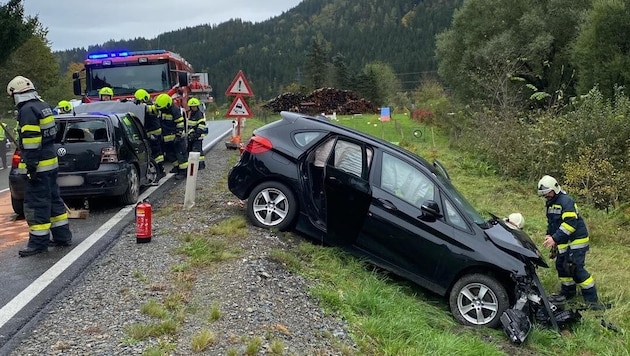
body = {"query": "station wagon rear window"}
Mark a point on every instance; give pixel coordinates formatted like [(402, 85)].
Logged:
[(81, 131)]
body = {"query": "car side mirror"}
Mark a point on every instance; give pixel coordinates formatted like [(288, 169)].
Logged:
[(430, 210)]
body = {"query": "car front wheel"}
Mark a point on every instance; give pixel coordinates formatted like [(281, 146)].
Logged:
[(272, 205), (478, 300)]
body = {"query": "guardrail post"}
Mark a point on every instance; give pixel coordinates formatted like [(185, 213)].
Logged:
[(191, 179)]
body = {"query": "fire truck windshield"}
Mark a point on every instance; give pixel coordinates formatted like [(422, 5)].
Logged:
[(125, 80)]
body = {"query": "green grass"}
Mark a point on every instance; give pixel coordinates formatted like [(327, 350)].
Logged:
[(388, 316)]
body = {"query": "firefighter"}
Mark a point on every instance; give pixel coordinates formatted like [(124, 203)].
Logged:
[(44, 210), (106, 94), (65, 107), (5, 144), (173, 134), (197, 130), (566, 231), (153, 128)]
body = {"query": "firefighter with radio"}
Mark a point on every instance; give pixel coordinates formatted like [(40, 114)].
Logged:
[(44, 210), (106, 94), (197, 130), (173, 134), (153, 128)]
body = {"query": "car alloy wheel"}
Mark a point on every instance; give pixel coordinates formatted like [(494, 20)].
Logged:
[(152, 172), (478, 300), (133, 189), (272, 205)]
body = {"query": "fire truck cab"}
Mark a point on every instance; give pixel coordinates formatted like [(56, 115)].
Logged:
[(157, 71)]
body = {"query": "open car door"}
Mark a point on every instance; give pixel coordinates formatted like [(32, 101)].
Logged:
[(347, 191)]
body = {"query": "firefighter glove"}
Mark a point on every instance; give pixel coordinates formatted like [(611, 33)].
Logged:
[(31, 171), (553, 252)]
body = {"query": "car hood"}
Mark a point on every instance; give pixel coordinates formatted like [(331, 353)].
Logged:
[(514, 240)]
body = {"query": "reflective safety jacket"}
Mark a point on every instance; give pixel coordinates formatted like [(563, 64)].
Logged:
[(37, 136), (173, 123), (565, 224), (197, 128), (152, 124)]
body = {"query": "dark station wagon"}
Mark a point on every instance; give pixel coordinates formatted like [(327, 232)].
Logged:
[(378, 201), (102, 150)]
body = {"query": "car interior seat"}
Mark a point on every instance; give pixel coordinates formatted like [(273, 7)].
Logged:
[(100, 134), (75, 134)]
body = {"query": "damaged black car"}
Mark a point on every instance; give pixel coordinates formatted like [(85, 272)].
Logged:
[(380, 202)]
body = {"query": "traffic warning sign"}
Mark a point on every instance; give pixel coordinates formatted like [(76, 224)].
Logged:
[(239, 86), (239, 108)]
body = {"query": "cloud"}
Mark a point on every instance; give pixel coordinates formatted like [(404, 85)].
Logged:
[(81, 23)]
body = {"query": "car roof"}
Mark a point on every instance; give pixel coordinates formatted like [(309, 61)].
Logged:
[(111, 107), (323, 123)]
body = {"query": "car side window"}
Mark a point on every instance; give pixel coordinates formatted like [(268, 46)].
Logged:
[(405, 181), (303, 139), (348, 157), (130, 129), (452, 216)]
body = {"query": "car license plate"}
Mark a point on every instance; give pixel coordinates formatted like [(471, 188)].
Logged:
[(70, 181)]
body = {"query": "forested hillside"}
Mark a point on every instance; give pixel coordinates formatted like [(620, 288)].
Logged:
[(273, 53)]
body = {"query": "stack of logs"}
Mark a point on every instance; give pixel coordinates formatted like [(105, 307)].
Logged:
[(324, 100)]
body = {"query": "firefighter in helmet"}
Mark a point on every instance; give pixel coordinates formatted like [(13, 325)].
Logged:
[(44, 210), (173, 134), (197, 130), (106, 94), (64, 107), (153, 128), (566, 231)]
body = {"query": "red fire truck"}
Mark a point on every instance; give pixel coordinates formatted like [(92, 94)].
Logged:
[(157, 71)]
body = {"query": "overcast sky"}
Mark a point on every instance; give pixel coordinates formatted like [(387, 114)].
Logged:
[(80, 23)]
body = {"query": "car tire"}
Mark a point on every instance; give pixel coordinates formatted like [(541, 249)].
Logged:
[(478, 300), (272, 205), (18, 206), (152, 172), (133, 189)]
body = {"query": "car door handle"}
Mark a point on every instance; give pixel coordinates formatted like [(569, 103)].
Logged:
[(387, 204)]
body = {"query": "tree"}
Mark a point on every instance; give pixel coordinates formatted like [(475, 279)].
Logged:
[(385, 80), (15, 29), (602, 49), (501, 55), (316, 64), (342, 77), (34, 60)]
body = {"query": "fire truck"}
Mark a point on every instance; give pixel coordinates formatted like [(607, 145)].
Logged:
[(157, 71)]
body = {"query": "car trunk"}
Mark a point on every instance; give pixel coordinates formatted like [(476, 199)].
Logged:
[(80, 144)]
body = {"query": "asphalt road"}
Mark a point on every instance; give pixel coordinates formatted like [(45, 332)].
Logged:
[(28, 284)]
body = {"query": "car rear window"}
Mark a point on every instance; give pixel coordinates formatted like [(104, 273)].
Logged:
[(81, 131)]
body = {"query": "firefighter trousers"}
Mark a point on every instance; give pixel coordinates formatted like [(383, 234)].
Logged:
[(45, 211), (571, 272), (196, 146)]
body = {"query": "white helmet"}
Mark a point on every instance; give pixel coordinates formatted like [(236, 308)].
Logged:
[(19, 84), (515, 220), (547, 184)]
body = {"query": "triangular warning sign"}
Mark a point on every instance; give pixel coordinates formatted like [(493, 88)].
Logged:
[(239, 86), (239, 108)]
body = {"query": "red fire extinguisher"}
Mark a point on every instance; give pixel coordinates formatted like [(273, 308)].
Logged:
[(144, 228)]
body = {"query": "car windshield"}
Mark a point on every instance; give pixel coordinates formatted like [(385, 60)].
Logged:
[(461, 201), (125, 80)]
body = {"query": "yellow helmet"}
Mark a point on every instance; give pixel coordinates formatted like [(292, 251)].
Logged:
[(142, 96), (65, 106), (19, 84), (163, 101), (193, 102), (105, 91)]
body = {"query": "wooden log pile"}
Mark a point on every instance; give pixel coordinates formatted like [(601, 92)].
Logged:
[(323, 100)]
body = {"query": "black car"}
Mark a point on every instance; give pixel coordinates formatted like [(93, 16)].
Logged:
[(380, 202), (102, 150)]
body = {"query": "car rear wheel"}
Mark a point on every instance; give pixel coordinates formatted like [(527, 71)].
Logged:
[(478, 300), (133, 189), (18, 206), (152, 172), (272, 205)]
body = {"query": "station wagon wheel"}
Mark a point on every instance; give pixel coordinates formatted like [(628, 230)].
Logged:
[(478, 300), (133, 189), (272, 205)]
